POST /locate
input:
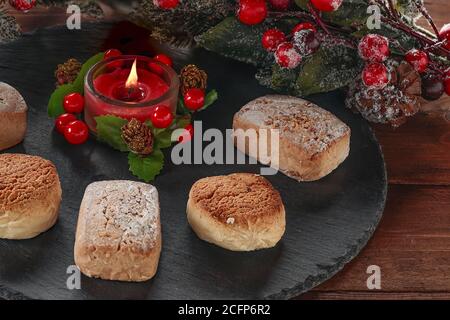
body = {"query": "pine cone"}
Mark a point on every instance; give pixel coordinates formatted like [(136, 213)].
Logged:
[(67, 72), (393, 104), (9, 28), (138, 137), (192, 77)]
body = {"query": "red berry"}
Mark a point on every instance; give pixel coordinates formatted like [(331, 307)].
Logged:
[(22, 5), (303, 26), (252, 11), (164, 59), (76, 132), (63, 120), (112, 53), (418, 59), (447, 82), (166, 4), (272, 38), (194, 99), (162, 117), (306, 42), (374, 47), (444, 34), (375, 75), (73, 103), (281, 5), (286, 56), (326, 5), (433, 86), (187, 134)]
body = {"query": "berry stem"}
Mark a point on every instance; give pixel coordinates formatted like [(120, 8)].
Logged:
[(390, 16), (427, 16), (392, 9), (317, 18)]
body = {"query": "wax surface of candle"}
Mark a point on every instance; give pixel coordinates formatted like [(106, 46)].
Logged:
[(153, 85)]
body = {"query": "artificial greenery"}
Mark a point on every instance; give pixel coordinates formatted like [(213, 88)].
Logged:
[(109, 131)]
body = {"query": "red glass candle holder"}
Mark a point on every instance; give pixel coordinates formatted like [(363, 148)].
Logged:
[(106, 93)]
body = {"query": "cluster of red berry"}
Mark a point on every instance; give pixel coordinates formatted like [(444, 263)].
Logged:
[(288, 54), (76, 131), (253, 12), (374, 49)]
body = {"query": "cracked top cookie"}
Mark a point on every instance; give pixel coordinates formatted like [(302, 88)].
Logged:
[(30, 195), (239, 212)]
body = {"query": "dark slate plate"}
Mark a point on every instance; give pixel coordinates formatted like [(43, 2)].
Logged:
[(328, 221)]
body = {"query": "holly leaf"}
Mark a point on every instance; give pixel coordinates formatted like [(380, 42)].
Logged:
[(55, 105), (181, 107), (78, 84), (109, 131), (182, 121), (146, 168), (162, 138), (210, 98)]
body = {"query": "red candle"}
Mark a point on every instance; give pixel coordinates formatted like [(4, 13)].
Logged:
[(129, 92)]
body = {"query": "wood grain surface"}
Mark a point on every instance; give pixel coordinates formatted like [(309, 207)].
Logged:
[(412, 243)]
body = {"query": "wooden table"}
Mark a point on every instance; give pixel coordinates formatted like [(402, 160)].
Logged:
[(412, 244)]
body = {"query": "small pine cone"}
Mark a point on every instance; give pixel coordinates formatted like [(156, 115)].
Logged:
[(138, 137), (393, 104), (9, 28), (192, 77), (67, 72)]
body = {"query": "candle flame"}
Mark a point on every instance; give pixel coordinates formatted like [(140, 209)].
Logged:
[(132, 80)]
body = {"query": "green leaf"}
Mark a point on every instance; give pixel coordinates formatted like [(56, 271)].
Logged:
[(78, 84), (328, 69), (210, 98), (236, 40), (146, 168), (109, 131), (233, 39), (162, 138), (182, 121), (55, 105), (181, 107)]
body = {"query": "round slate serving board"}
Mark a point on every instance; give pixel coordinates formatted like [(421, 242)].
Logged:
[(328, 221)]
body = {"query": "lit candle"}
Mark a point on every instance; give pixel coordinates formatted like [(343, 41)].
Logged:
[(129, 92)]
